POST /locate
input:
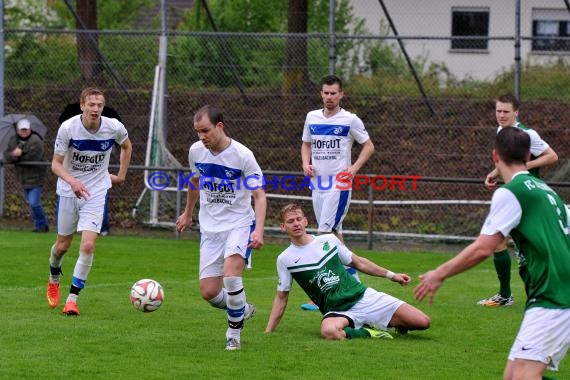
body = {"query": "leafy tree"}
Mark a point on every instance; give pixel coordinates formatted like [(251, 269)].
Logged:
[(22, 14), (256, 60), (111, 15), (90, 15), (296, 74)]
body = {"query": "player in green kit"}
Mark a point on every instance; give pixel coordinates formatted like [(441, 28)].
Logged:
[(537, 220), (350, 309), (541, 155)]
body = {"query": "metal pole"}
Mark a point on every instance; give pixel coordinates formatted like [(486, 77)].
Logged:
[(407, 57), (2, 184), (162, 62), (2, 58), (2, 187), (517, 78), (370, 237), (226, 52), (332, 42)]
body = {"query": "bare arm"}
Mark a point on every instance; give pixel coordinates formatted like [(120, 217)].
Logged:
[(124, 161), (472, 255), (548, 157), (77, 186), (260, 207), (365, 154), (308, 168), (184, 221), (491, 179), (366, 266), (277, 311)]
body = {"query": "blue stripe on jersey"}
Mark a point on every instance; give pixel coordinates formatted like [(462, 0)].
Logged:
[(92, 145), (56, 212), (329, 130), (342, 204), (218, 171)]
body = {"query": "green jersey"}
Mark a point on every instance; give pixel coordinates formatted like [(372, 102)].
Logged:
[(318, 268), (537, 220)]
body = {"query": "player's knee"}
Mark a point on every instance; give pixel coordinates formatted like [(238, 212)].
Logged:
[(87, 247), (329, 333), (424, 322), (61, 247), (211, 294), (208, 294), (332, 331)]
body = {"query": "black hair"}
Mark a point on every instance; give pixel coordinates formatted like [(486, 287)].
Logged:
[(513, 145)]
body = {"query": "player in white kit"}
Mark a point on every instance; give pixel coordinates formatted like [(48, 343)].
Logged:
[(328, 136), (225, 176), (81, 161)]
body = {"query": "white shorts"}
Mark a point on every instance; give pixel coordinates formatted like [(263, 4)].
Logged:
[(215, 247), (330, 209), (544, 336), (375, 309), (75, 214)]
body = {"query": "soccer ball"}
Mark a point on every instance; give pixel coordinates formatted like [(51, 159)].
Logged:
[(147, 295)]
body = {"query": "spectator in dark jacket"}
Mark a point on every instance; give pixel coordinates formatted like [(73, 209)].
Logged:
[(29, 146)]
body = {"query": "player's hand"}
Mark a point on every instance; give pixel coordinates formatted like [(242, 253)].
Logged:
[(349, 172), (183, 222), (430, 283), (402, 278), (491, 179), (116, 180), (309, 170), (256, 239), (79, 189), (491, 182)]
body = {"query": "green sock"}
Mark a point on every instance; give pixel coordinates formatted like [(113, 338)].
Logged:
[(502, 261), (356, 333)]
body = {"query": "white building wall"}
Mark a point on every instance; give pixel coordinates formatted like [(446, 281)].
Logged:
[(433, 18)]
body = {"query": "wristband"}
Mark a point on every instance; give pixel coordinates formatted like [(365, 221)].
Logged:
[(389, 274)]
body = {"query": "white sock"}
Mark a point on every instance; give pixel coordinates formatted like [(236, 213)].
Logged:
[(54, 262), (220, 300), (81, 270), (235, 305)]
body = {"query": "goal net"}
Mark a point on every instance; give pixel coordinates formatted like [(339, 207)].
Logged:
[(160, 202)]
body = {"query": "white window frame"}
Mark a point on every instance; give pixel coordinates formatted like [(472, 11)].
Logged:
[(555, 36)]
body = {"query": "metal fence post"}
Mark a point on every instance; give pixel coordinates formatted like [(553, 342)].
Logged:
[(370, 217)]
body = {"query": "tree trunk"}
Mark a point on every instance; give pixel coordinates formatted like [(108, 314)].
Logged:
[(87, 42), (296, 76)]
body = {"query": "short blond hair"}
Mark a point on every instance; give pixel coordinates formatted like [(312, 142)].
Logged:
[(88, 91), (291, 207)]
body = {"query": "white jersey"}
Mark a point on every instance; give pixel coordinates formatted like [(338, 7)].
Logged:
[(226, 182), (331, 142), (87, 154), (537, 144)]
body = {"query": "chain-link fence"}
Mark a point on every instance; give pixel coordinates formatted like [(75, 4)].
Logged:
[(445, 137)]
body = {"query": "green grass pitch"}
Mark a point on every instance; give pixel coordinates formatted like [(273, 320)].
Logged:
[(184, 339)]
